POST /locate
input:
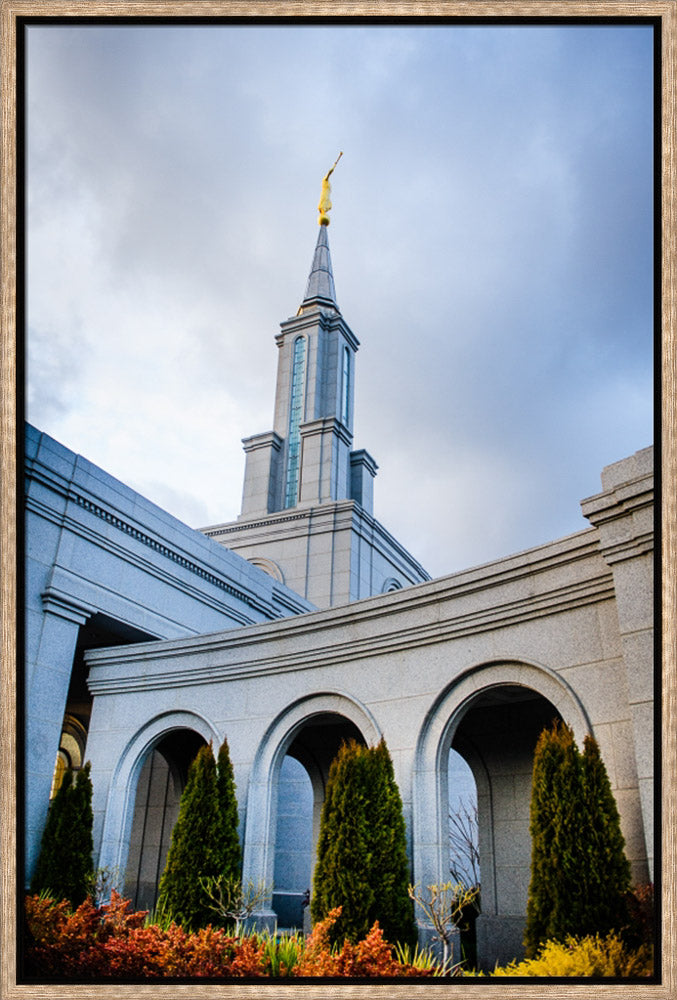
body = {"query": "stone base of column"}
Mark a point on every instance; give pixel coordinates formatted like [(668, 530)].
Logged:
[(261, 920), (500, 939)]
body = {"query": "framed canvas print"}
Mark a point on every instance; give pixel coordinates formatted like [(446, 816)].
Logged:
[(338, 530)]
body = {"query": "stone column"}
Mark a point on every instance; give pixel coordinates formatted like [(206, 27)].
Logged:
[(623, 515), (46, 696)]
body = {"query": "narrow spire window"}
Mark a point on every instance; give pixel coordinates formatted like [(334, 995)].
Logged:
[(345, 387), (295, 417)]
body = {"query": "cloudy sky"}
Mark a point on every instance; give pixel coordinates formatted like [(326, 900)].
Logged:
[(491, 240)]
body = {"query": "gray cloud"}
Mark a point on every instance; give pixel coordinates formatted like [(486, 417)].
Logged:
[(491, 240)]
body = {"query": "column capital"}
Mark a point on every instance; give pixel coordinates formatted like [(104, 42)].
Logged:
[(56, 602)]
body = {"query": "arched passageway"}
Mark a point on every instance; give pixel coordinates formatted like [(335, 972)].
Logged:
[(497, 735), (156, 807), (491, 715), (301, 789), (308, 732)]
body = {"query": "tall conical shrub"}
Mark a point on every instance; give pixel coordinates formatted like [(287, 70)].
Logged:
[(361, 855), (555, 813), (579, 873), (230, 854), (393, 908), (342, 869), (197, 846), (607, 869), (65, 869)]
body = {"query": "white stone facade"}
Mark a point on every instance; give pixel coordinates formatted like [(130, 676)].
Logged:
[(480, 660)]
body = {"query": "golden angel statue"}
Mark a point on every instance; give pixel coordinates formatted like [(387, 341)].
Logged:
[(325, 202)]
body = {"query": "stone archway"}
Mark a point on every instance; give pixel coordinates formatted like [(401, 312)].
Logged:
[(310, 731), (313, 748), (156, 808), (492, 715), (172, 736)]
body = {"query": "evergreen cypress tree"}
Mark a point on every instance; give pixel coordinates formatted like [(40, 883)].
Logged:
[(230, 858), (343, 859), (361, 856), (579, 873), (555, 815), (195, 847), (607, 869), (65, 869), (389, 874)]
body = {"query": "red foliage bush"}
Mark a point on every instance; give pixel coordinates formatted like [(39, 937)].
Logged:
[(371, 957), (112, 942)]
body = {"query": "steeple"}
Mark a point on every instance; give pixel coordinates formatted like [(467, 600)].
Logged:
[(320, 288), (307, 458), (308, 497)]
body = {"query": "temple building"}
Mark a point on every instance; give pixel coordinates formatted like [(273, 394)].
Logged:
[(304, 623)]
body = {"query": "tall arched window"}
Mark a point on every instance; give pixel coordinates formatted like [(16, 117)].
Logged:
[(345, 387), (71, 751), (295, 417)]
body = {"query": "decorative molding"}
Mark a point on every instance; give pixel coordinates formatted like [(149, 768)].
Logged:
[(38, 472), (326, 425), (267, 439), (247, 661), (159, 547), (57, 603), (362, 457), (226, 529), (325, 517), (268, 566)]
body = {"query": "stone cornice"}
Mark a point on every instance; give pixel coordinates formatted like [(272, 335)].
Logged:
[(155, 544), (623, 517), (423, 614), (152, 569), (362, 457), (256, 662), (267, 439), (324, 425), (619, 502), (215, 531), (316, 317), (56, 602), (333, 516)]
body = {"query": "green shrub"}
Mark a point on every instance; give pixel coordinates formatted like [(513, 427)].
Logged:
[(607, 870), (341, 878), (65, 869), (580, 876), (389, 873), (361, 855), (204, 842), (230, 855)]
